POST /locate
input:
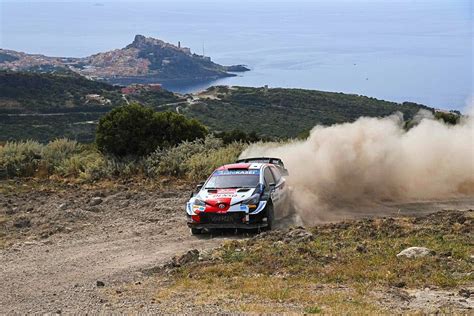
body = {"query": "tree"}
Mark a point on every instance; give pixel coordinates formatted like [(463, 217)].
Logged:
[(137, 130), (451, 118), (237, 135)]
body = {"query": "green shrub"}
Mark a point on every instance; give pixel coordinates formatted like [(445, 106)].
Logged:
[(451, 118), (152, 162), (172, 162), (86, 165), (124, 167), (137, 130), (191, 159), (56, 151), (93, 165), (20, 159), (238, 135), (202, 164)]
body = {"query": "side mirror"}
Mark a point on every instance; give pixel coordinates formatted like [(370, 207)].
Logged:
[(198, 188), (272, 186)]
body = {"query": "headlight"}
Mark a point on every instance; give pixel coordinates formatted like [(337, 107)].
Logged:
[(199, 202), (254, 199)]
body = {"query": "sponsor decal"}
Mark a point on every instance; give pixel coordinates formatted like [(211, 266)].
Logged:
[(224, 193), (226, 190), (237, 172), (199, 208), (244, 207)]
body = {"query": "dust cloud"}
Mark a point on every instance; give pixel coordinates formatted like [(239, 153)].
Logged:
[(348, 167)]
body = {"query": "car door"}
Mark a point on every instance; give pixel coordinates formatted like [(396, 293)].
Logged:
[(275, 192), (281, 190)]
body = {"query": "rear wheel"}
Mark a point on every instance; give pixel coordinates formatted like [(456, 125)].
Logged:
[(196, 231)]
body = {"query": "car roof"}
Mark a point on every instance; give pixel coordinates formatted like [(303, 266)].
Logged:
[(251, 166)]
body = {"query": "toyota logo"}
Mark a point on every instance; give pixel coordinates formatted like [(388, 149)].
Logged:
[(221, 206)]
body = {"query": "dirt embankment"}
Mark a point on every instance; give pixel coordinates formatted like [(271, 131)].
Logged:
[(67, 248)]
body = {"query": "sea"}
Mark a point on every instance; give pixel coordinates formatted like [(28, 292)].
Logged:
[(399, 50)]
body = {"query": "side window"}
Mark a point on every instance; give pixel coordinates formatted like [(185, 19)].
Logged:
[(276, 174), (268, 176)]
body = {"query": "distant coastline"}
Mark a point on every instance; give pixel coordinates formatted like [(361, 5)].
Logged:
[(145, 60)]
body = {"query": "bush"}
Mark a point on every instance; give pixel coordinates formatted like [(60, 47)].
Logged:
[(93, 165), (86, 165), (451, 118), (237, 135), (20, 159), (56, 151), (201, 165), (123, 167), (191, 159), (172, 162), (137, 130)]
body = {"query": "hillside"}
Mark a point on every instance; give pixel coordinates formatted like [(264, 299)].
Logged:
[(145, 60), (45, 106), (49, 93), (286, 112)]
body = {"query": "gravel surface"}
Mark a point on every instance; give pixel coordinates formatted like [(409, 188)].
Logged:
[(77, 249), (66, 247)]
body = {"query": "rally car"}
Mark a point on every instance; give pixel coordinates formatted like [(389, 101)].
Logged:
[(250, 194)]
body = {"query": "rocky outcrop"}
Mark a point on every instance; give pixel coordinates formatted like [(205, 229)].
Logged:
[(415, 252)]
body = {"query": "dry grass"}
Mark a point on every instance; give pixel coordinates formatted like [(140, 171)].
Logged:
[(3, 236), (264, 294), (3, 219)]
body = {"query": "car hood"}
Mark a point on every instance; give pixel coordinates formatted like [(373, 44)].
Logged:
[(229, 197)]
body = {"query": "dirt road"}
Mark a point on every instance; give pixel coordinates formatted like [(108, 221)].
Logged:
[(62, 247), (64, 243)]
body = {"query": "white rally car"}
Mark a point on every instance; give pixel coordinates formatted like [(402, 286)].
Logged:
[(251, 194)]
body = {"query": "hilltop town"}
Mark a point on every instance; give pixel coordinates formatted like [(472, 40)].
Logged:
[(145, 60)]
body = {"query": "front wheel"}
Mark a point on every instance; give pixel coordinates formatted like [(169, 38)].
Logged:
[(196, 231), (270, 217)]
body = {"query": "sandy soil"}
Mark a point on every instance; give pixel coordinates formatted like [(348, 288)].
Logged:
[(65, 249)]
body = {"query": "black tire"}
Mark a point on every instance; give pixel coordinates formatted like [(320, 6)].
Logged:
[(270, 217), (196, 231)]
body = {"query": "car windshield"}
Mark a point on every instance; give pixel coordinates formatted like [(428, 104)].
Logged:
[(224, 179)]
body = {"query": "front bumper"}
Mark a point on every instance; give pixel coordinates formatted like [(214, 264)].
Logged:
[(227, 220), (236, 217), (227, 225)]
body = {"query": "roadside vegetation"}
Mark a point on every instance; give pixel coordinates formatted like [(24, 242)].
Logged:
[(68, 159), (136, 141)]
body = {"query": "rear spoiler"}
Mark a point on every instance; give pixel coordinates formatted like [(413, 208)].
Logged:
[(275, 161)]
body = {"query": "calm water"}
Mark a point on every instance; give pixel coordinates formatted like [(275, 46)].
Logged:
[(412, 50)]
